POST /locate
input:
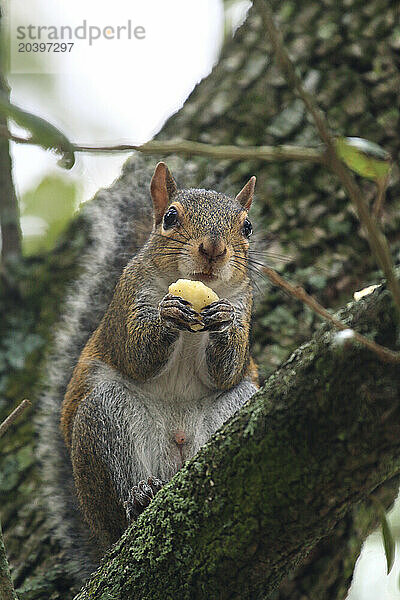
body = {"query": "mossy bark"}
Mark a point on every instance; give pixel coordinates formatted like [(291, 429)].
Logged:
[(346, 53), (319, 437)]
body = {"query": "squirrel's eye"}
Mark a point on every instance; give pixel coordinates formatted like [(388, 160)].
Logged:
[(170, 218), (247, 228)]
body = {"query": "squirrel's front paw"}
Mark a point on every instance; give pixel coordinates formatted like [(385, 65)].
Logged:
[(140, 497), (177, 313), (218, 316)]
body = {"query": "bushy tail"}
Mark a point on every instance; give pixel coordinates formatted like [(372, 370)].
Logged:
[(118, 221)]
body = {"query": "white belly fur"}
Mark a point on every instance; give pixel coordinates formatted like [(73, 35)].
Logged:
[(184, 377), (177, 400)]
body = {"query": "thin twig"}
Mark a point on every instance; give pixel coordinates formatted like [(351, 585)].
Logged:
[(298, 292), (187, 147), (376, 239), (7, 591), (5, 133), (13, 416)]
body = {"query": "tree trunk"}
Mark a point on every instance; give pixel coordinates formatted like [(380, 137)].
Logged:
[(346, 53), (9, 212), (319, 437)]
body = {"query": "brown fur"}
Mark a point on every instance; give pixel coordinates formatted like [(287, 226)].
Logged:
[(79, 386), (134, 341), (116, 332)]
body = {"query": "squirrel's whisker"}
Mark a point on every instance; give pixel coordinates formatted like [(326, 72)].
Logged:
[(274, 255), (173, 248), (169, 238), (170, 254), (266, 253), (185, 233), (249, 265)]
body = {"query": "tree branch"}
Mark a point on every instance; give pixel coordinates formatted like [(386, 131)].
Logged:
[(190, 148), (320, 436), (13, 416), (298, 292)]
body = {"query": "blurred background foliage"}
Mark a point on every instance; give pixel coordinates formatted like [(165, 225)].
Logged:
[(46, 211), (49, 198)]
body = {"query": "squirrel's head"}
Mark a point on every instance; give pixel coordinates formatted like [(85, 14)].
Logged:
[(200, 234)]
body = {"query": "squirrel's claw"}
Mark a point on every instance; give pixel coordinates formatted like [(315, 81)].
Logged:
[(218, 316), (175, 298), (177, 312), (140, 496)]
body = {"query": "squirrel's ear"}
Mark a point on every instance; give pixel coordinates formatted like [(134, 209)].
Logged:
[(245, 196), (162, 188)]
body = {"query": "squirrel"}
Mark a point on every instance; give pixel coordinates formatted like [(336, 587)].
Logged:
[(147, 390)]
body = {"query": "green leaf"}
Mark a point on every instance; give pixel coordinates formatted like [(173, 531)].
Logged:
[(42, 133), (53, 202), (388, 542), (387, 536), (364, 157)]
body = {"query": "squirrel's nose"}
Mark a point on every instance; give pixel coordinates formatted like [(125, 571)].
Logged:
[(212, 249)]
